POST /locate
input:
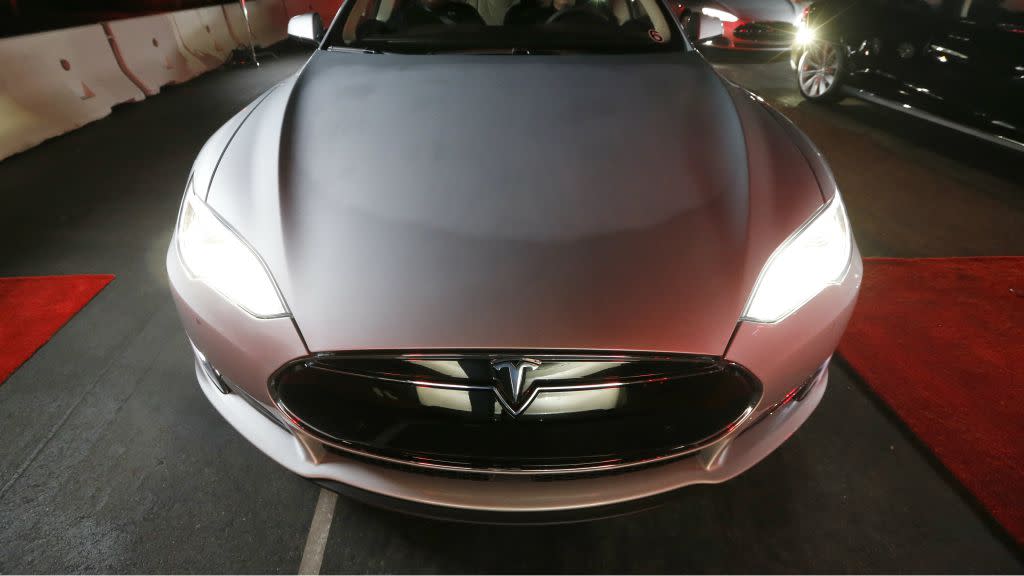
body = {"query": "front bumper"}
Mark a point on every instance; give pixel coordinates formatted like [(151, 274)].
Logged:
[(510, 499), (789, 358)]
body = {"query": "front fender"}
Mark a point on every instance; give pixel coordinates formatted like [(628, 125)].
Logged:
[(206, 162)]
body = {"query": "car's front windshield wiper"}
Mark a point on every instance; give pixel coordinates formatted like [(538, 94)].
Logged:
[(536, 51), (354, 50)]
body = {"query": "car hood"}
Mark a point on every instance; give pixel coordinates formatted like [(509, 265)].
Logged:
[(513, 202), (762, 10)]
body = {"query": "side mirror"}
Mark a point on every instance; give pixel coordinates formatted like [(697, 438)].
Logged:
[(307, 27), (699, 26), (709, 27)]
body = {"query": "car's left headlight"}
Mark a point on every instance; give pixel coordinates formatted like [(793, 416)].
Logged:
[(215, 254), (815, 256)]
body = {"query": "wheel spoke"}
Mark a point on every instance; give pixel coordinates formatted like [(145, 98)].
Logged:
[(816, 71)]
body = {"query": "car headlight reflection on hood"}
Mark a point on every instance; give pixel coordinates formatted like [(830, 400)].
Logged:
[(719, 14), (216, 255), (815, 256)]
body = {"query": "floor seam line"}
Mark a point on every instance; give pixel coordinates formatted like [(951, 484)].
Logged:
[(319, 529), (60, 424)]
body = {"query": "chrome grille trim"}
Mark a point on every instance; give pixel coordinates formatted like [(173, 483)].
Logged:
[(697, 366)]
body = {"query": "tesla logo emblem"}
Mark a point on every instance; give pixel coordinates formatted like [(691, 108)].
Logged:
[(511, 384)]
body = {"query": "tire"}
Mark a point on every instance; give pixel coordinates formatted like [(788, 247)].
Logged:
[(820, 72)]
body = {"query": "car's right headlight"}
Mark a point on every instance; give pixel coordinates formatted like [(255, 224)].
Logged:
[(213, 253), (817, 255), (804, 33)]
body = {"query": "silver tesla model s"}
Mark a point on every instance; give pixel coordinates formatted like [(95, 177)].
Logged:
[(511, 268)]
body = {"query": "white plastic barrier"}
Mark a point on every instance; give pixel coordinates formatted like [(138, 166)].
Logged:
[(197, 63), (56, 81), (197, 41), (269, 21), (149, 52), (216, 26)]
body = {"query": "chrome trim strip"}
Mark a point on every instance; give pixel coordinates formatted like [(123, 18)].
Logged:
[(208, 369), (225, 386), (256, 404), (425, 383), (429, 384), (1003, 141)]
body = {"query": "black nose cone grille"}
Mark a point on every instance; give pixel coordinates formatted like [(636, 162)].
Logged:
[(517, 412)]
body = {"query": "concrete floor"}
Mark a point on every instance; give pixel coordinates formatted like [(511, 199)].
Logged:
[(112, 460)]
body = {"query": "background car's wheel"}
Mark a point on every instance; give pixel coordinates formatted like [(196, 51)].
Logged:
[(820, 70)]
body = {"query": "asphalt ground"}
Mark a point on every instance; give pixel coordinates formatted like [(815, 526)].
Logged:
[(111, 460)]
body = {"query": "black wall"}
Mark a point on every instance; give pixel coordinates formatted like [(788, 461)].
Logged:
[(26, 16)]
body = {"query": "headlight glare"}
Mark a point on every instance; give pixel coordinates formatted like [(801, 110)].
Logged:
[(214, 254), (804, 34), (815, 256)]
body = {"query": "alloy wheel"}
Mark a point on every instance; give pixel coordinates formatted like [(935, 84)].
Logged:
[(817, 70)]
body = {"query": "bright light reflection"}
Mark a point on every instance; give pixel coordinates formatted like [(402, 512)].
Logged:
[(804, 35), (803, 266), (214, 254)]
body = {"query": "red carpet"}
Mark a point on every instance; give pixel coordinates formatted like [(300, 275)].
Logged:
[(941, 341), (33, 309)]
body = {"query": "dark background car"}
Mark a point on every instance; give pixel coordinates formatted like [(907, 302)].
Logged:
[(956, 62)]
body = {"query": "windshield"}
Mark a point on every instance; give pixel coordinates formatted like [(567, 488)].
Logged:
[(505, 26)]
